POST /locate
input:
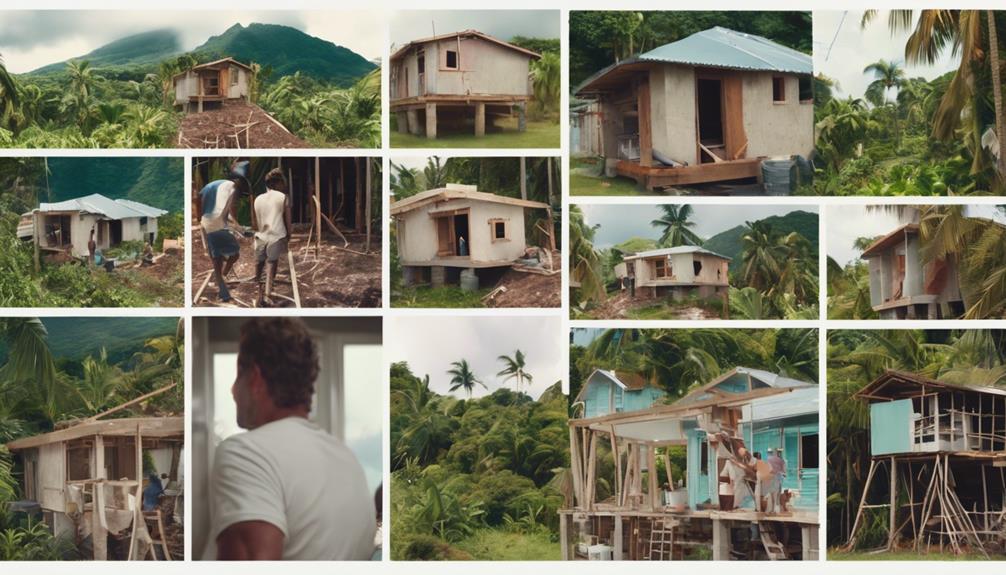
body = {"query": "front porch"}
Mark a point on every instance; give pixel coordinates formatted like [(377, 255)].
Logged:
[(653, 177)]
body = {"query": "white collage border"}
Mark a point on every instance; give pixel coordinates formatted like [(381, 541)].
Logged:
[(386, 7)]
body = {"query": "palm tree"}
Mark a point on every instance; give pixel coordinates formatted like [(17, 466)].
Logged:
[(843, 124), (514, 369), (403, 181), (101, 384), (676, 224), (761, 258), (546, 78), (462, 377), (9, 100), (435, 173), (888, 75), (997, 90), (585, 262), (30, 363)]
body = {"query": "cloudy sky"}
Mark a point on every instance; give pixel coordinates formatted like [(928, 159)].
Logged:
[(503, 24), (430, 344), (32, 39), (855, 48), (871, 223), (621, 222)]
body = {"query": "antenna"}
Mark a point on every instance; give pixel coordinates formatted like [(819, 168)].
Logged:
[(434, 26)]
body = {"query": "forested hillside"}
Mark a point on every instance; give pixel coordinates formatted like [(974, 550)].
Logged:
[(158, 182), (478, 478), (730, 243)]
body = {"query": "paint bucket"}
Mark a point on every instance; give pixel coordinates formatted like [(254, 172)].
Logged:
[(778, 176), (469, 281)]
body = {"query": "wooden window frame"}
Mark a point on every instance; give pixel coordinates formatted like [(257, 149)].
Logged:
[(811, 99), (233, 73), (782, 81), (506, 229), (657, 264)]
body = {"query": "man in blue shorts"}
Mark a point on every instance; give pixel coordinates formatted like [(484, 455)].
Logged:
[(217, 204)]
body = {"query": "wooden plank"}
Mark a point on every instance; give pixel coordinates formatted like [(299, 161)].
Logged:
[(368, 201), (645, 124), (618, 462), (133, 402), (159, 427), (716, 159), (293, 278), (734, 137), (651, 465), (575, 468), (694, 174)]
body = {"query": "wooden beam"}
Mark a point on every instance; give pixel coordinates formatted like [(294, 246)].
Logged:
[(651, 472), (523, 178), (317, 199), (369, 195), (160, 427), (133, 402), (645, 124), (293, 278), (694, 174)]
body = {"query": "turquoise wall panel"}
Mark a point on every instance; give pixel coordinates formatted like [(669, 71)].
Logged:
[(891, 427)]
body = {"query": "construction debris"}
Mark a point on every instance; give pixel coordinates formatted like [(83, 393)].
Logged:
[(235, 125)]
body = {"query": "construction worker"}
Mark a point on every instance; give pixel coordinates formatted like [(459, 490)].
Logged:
[(778, 465), (286, 489), (92, 247), (272, 216), (217, 205)]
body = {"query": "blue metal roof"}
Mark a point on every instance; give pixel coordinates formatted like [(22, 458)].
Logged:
[(724, 48), (101, 205)]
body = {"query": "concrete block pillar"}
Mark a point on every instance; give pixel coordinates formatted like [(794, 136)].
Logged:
[(480, 119), (409, 274), (437, 276), (933, 311), (522, 117), (431, 121), (721, 540), (910, 311), (403, 122), (412, 121)]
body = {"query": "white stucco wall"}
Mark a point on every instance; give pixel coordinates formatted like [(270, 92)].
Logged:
[(484, 68), (185, 87), (418, 241), (776, 129), (672, 108)]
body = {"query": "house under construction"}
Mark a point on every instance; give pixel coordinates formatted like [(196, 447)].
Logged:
[(937, 465), (87, 481), (652, 515)]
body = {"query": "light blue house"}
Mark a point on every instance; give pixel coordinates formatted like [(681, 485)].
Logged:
[(606, 392)]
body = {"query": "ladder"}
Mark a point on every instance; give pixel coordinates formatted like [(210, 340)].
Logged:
[(662, 539), (773, 548), (154, 518)]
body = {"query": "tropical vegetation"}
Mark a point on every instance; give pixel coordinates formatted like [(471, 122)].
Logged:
[(122, 95), (911, 136), (773, 268), (946, 233), (857, 357), (476, 478), (47, 378)]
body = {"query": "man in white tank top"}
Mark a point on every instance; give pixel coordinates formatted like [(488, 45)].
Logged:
[(272, 216), (286, 489)]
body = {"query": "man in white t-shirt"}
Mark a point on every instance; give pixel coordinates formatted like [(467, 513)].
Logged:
[(286, 489), (273, 217)]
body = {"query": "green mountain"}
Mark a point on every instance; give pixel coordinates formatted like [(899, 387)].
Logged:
[(282, 48), (729, 243), (286, 50), (74, 338), (145, 49), (158, 182), (635, 245)]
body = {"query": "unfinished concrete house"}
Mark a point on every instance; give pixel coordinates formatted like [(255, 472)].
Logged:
[(65, 227), (710, 107), (903, 287), (454, 77), (679, 271), (649, 514), (446, 234), (937, 464), (208, 85), (87, 480)]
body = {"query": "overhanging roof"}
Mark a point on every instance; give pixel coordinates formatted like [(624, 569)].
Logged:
[(626, 380), (215, 64), (149, 427), (463, 34), (103, 206), (713, 48), (886, 242), (881, 388), (445, 194), (674, 251)]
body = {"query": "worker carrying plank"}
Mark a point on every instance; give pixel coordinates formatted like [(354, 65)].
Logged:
[(286, 489), (272, 234), (217, 206)]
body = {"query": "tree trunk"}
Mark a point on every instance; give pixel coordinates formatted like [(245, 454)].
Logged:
[(996, 89)]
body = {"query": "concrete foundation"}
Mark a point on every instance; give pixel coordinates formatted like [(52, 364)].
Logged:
[(431, 121), (480, 119), (521, 117), (412, 117), (403, 122), (437, 276)]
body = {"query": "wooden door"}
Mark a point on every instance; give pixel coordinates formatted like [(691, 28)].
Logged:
[(734, 138), (445, 236)]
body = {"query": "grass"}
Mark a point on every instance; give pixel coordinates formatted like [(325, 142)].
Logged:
[(498, 545), (584, 185), (670, 309), (442, 297), (835, 555), (537, 135)]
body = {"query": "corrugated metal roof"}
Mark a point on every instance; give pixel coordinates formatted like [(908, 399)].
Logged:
[(724, 48), (716, 48), (772, 379), (802, 401), (99, 204), (673, 251)]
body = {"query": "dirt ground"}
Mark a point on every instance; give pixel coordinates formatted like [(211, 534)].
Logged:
[(217, 129), (528, 290), (337, 279), (619, 306)]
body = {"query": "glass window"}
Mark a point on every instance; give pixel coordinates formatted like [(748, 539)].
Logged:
[(225, 413), (361, 375), (452, 60)]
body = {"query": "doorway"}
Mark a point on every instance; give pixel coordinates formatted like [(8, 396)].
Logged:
[(115, 232), (710, 110), (452, 234), (461, 237)]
